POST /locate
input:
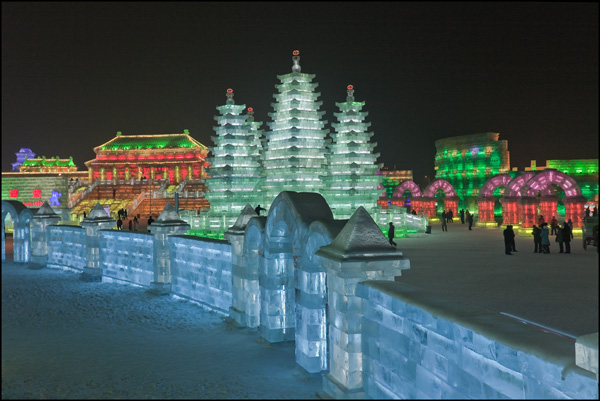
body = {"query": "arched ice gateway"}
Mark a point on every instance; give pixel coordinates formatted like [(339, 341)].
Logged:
[(486, 200), (404, 186), (428, 198), (548, 202)]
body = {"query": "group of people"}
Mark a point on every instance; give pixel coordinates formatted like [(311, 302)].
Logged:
[(133, 223), (589, 212), (448, 217), (541, 237)]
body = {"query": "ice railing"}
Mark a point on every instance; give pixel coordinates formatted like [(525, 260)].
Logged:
[(74, 201)]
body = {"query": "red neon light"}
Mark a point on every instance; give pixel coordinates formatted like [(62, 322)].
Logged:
[(37, 193), (34, 203), (296, 52), (350, 87), (250, 109), (14, 193), (229, 90)]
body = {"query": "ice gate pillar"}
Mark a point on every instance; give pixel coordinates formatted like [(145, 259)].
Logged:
[(97, 220), (244, 278), (360, 252), (168, 223), (44, 217)]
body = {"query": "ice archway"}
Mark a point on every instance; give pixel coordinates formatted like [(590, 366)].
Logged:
[(428, 198), (404, 186), (487, 201), (21, 217)]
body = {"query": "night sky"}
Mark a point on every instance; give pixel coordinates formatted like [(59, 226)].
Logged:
[(73, 74)]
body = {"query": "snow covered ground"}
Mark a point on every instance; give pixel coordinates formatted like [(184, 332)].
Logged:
[(64, 338)]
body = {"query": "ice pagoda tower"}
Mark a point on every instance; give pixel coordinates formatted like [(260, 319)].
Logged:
[(234, 167), (294, 153), (351, 179)]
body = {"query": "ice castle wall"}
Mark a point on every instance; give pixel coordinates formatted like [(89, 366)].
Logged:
[(66, 247), (201, 270), (415, 346), (127, 256)]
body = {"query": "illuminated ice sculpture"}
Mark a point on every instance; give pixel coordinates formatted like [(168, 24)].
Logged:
[(398, 195), (294, 154), (351, 179), (487, 200), (234, 166), (428, 198)]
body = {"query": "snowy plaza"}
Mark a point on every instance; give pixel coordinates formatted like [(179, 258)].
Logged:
[(65, 338)]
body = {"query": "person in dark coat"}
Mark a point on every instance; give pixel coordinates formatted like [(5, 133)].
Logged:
[(119, 224), (258, 209), (391, 232), (559, 239), (537, 239), (545, 240), (462, 216), (444, 220), (509, 235), (150, 221), (470, 220), (567, 236), (513, 246)]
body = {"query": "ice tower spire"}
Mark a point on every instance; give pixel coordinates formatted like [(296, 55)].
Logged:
[(351, 179), (294, 154), (234, 168), (296, 60)]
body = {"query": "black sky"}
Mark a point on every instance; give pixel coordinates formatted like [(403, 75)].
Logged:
[(73, 74)]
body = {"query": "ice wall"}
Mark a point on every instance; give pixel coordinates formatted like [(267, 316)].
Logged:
[(66, 247), (127, 256), (418, 346), (201, 270)]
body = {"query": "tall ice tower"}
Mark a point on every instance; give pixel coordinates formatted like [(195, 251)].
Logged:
[(294, 154), (351, 179), (234, 167)]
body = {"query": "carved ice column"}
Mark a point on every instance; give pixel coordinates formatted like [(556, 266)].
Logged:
[(44, 217), (97, 220), (485, 205), (575, 210), (245, 280), (168, 223), (360, 252), (21, 234), (529, 211)]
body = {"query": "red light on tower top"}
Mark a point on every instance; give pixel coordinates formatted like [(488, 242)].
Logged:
[(229, 90), (250, 109), (296, 52), (350, 87)]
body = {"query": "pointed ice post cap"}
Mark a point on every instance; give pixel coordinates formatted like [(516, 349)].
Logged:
[(45, 210), (242, 221), (97, 214), (169, 217), (361, 239)]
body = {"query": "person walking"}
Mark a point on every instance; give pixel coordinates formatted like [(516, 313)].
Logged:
[(462, 216), (150, 221), (541, 220), (391, 232), (130, 225), (513, 246), (136, 223), (119, 224), (545, 238), (567, 236), (559, 239), (450, 216), (444, 221), (470, 220), (508, 237), (537, 239)]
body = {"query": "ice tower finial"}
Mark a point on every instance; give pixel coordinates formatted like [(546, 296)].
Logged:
[(230, 97), (350, 97), (250, 114), (296, 60)]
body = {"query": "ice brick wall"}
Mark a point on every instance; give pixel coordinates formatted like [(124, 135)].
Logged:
[(415, 346), (127, 256), (66, 246), (201, 270)]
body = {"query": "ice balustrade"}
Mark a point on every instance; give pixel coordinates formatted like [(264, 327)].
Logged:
[(43, 218), (127, 256), (360, 252), (66, 247), (21, 218), (311, 298), (201, 270), (416, 346), (97, 220)]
